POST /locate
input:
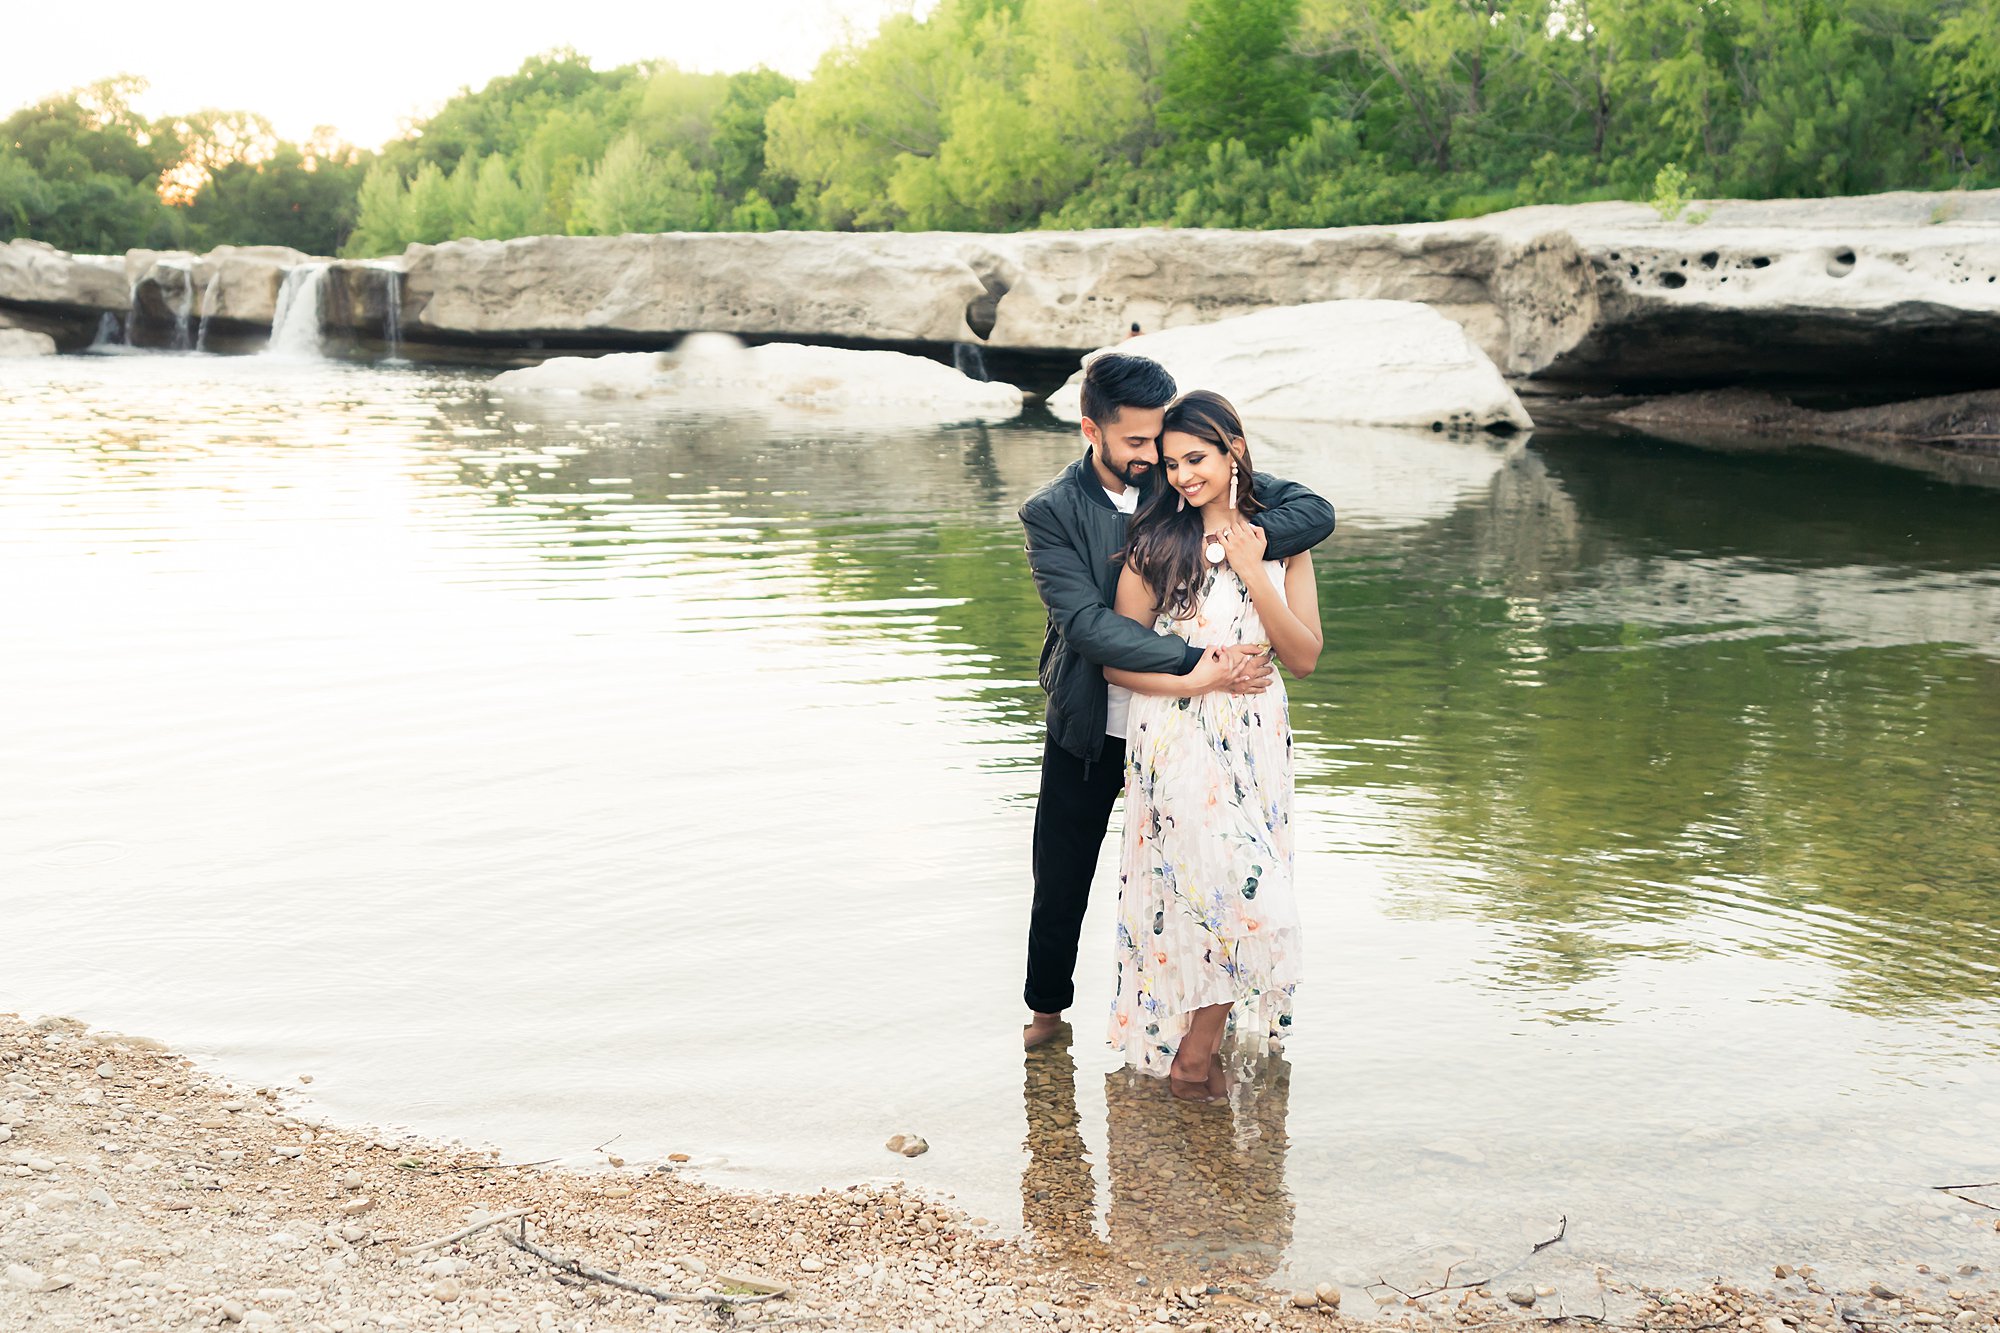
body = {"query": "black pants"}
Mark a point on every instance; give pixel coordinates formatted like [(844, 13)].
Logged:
[(1070, 818)]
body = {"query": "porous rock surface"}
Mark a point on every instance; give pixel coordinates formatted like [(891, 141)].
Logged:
[(1376, 363)]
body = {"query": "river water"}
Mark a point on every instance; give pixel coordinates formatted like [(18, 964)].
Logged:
[(553, 774)]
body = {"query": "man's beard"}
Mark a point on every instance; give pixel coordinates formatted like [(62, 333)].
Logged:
[(1133, 473)]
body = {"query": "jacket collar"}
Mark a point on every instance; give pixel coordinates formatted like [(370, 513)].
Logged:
[(1083, 475)]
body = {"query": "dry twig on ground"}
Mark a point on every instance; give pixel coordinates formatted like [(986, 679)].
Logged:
[(577, 1268)]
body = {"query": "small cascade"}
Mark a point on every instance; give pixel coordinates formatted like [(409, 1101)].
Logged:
[(208, 295), (969, 362), (109, 333), (132, 317), (392, 309), (295, 325), (183, 306)]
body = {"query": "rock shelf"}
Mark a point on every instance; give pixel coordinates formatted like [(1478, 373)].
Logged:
[(1902, 286)]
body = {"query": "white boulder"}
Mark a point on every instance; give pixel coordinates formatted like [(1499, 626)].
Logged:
[(36, 273), (715, 373), (1374, 363), (25, 342)]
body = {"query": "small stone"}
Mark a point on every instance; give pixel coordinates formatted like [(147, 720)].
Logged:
[(275, 1295), (1328, 1294), (305, 1078), (1782, 1271), (910, 1145), (285, 1240), (1924, 1317), (1545, 1291), (289, 1150), (447, 1290), (353, 1181), (107, 1070), (1881, 1292), (1522, 1296), (618, 1192), (6, 1133), (614, 1160), (356, 1207), (1305, 1300), (233, 1311), (810, 1265), (677, 1157)]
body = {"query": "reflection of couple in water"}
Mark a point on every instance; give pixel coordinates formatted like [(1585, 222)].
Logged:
[(1173, 576), (1194, 1192)]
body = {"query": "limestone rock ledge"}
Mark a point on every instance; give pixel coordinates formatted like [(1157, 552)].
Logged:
[(1903, 285)]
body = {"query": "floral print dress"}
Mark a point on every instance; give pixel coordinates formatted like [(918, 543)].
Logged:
[(1206, 908)]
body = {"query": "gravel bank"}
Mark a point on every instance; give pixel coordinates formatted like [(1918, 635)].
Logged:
[(138, 1192)]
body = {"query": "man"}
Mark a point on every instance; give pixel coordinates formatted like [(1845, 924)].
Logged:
[(1076, 525)]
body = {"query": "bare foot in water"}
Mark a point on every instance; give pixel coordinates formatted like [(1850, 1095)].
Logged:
[(1042, 1029), (1195, 1088), (1218, 1078)]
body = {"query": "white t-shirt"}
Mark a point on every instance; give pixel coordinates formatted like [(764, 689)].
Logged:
[(1118, 699)]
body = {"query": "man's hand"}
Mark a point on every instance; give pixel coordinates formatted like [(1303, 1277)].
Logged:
[(1250, 668), (1239, 669)]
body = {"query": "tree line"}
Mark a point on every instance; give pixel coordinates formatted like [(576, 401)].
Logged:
[(999, 115)]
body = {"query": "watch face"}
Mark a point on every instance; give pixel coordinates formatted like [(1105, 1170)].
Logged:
[(1215, 553)]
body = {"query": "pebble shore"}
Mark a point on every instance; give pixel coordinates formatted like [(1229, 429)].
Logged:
[(137, 1191)]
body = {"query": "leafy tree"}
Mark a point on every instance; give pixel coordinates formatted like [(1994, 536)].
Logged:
[(634, 189), (739, 134), (1233, 75), (1962, 77), (379, 210), (429, 208), (500, 207), (301, 197)]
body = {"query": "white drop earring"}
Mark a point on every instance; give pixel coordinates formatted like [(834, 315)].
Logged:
[(1232, 486), (1181, 503)]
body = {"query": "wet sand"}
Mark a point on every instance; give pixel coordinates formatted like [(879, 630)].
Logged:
[(138, 1191)]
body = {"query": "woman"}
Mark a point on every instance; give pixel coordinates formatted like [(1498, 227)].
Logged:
[(1207, 919)]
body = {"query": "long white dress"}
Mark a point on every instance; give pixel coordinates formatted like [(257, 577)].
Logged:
[(1207, 912)]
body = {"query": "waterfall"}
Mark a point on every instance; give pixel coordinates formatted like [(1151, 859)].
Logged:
[(208, 295), (295, 326), (392, 308), (132, 316), (183, 306), (969, 362), (108, 333)]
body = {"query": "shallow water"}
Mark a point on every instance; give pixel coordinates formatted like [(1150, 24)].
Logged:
[(544, 774)]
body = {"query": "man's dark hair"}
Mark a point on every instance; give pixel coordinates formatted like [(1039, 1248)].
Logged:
[(1116, 380)]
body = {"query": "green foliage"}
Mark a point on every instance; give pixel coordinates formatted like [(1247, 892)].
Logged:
[(1233, 76), (307, 199), (634, 189), (1671, 193), (1005, 114), (1961, 69)]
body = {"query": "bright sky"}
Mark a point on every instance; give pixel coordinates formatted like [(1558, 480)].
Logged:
[(364, 66)]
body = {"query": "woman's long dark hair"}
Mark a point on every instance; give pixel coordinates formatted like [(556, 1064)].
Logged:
[(1165, 541)]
